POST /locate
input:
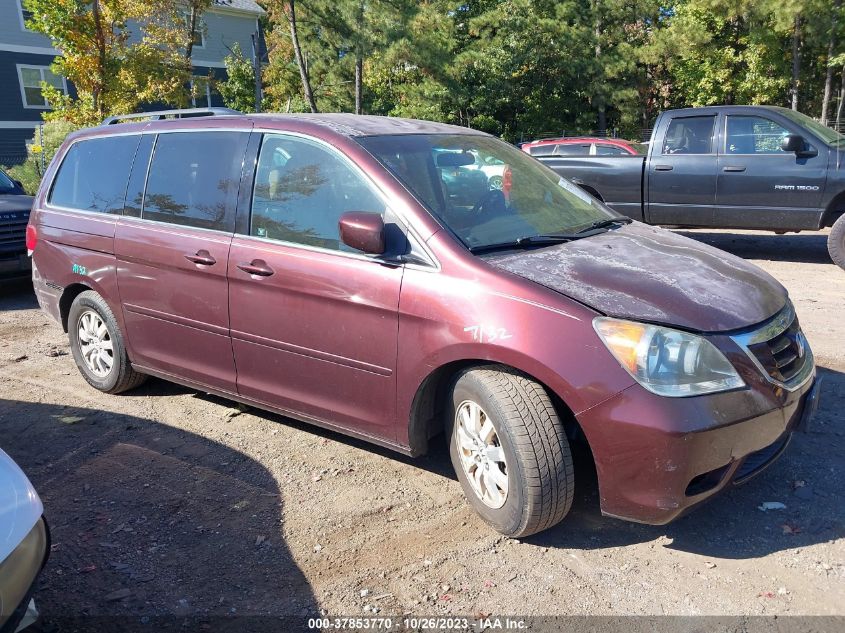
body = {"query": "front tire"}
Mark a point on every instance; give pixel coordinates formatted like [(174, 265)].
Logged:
[(836, 242), (509, 450), (97, 345)]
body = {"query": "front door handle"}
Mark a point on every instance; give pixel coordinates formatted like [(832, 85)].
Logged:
[(202, 257), (663, 168), (257, 267), (733, 168)]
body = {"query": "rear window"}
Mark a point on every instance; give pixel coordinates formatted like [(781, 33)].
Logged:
[(94, 173)]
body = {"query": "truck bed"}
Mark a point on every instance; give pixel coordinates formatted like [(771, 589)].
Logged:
[(618, 178)]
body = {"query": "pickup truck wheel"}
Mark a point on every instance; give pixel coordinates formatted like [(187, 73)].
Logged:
[(836, 242), (509, 450), (97, 345)]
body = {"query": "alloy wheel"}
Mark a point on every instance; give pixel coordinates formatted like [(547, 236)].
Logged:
[(95, 343), (481, 454)]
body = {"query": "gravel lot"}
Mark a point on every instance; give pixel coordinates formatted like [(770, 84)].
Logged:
[(167, 501)]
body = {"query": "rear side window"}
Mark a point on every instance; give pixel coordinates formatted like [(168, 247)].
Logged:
[(574, 149), (194, 178), (609, 150), (94, 173), (690, 135), (542, 150)]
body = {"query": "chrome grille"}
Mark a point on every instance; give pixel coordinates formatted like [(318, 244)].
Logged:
[(780, 350), (13, 229)]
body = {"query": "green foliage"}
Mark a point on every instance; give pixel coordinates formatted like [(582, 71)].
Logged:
[(238, 90), (40, 152), (112, 74), (515, 68)]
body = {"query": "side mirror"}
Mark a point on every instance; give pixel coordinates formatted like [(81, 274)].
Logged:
[(792, 143), (363, 231)]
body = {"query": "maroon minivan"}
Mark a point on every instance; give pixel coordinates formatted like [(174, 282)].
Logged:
[(361, 273)]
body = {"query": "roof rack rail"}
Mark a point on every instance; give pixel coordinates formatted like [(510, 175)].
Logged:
[(158, 115)]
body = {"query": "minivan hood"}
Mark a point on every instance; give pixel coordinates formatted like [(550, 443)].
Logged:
[(15, 203), (20, 507), (649, 274)]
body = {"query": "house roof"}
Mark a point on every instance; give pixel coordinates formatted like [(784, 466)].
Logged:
[(241, 6)]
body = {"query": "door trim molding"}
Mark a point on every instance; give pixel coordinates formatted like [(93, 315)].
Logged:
[(311, 353)]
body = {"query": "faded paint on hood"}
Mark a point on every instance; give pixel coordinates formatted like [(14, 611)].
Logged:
[(649, 274)]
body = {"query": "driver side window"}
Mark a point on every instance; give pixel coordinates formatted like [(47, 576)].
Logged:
[(301, 191), (753, 135)]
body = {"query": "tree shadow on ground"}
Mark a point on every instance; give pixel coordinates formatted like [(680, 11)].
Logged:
[(152, 526), (810, 248)]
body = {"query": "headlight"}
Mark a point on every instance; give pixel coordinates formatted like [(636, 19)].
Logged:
[(665, 361)]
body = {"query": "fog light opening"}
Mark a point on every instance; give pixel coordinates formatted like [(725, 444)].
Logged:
[(706, 481)]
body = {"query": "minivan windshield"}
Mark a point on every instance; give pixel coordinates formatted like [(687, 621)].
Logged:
[(486, 191)]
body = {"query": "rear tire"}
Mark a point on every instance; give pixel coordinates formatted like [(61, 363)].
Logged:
[(97, 345), (836, 242), (527, 446)]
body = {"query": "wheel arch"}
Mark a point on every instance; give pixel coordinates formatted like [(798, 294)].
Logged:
[(70, 293), (592, 191), (429, 403), (835, 209)]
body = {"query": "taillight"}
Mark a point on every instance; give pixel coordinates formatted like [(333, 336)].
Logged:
[(31, 237)]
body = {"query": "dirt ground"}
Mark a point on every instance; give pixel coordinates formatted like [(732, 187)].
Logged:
[(165, 501)]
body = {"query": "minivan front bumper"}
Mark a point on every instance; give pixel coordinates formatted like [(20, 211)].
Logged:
[(656, 458)]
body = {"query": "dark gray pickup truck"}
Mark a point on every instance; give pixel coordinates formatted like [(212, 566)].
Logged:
[(732, 167), (14, 215)]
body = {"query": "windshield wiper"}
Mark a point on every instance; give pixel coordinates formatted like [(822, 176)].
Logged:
[(554, 238), (527, 242), (602, 224)]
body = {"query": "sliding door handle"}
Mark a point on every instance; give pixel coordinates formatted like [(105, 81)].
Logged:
[(257, 267), (663, 168), (202, 257), (733, 168)]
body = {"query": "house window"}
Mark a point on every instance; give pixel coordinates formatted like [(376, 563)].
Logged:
[(198, 39), (201, 92), (24, 14), (30, 78)]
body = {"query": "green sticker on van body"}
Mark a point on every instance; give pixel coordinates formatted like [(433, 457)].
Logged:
[(79, 269)]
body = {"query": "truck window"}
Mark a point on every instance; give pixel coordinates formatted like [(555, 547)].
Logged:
[(690, 135), (93, 174), (753, 135)]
